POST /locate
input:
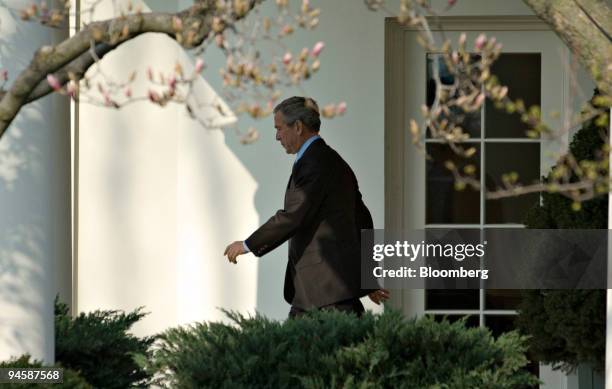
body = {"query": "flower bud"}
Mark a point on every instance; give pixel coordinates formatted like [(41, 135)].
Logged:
[(287, 58), (316, 50), (177, 23), (153, 96), (53, 82), (199, 65), (480, 41)]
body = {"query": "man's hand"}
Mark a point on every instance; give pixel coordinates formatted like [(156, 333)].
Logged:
[(234, 250), (378, 296)]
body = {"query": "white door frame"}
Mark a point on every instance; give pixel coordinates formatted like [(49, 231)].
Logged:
[(402, 197)]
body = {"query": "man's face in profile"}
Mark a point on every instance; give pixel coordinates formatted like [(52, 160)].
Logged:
[(287, 135)]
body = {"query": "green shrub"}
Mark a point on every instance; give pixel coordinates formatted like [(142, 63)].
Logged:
[(332, 349), (99, 346), (555, 211), (567, 327), (72, 379)]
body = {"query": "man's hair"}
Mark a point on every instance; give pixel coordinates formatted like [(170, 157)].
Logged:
[(300, 108)]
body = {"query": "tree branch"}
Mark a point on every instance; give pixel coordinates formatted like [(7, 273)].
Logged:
[(589, 41), (592, 18), (77, 68), (72, 54)]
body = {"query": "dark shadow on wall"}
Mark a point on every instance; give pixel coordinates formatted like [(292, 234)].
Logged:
[(34, 197), (22, 274), (26, 250), (268, 163)]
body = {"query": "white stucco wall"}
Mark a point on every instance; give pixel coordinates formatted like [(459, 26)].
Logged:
[(35, 258)]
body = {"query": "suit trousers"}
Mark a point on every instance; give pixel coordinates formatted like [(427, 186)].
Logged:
[(349, 306)]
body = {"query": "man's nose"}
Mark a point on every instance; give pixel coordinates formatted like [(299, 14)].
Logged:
[(277, 136)]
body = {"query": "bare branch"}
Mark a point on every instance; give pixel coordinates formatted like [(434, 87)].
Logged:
[(590, 41), (76, 68), (112, 33)]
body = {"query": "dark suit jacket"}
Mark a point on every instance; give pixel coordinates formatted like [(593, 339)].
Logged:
[(322, 219)]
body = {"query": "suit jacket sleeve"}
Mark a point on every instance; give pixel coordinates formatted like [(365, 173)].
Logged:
[(363, 218), (301, 204)]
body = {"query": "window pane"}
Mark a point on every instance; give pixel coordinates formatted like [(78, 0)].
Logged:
[(498, 324), (469, 121), (502, 298), (452, 299), (520, 72), (445, 204), (503, 158)]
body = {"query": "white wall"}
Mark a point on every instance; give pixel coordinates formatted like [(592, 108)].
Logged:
[(35, 257), (158, 198)]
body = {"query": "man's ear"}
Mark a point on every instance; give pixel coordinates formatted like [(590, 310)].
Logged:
[(299, 127)]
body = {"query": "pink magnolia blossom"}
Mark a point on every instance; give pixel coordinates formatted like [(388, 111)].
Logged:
[(316, 50), (172, 82), (455, 57), (480, 41), (53, 82), (199, 65), (4, 75), (153, 96), (479, 99), (108, 101), (128, 92), (341, 108), (150, 74), (287, 58), (451, 2), (177, 23), (287, 29)]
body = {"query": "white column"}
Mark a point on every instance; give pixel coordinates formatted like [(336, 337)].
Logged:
[(34, 202)]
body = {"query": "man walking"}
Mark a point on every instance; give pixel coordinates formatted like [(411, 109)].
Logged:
[(322, 218)]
